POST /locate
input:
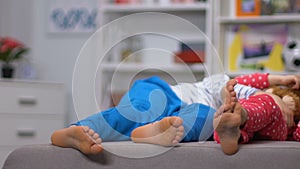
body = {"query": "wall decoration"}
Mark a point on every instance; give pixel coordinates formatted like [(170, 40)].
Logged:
[(257, 47), (247, 7), (72, 15)]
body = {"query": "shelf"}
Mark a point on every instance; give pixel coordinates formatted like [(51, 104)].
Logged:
[(132, 67), (154, 8), (192, 38), (163, 32), (261, 19), (244, 72)]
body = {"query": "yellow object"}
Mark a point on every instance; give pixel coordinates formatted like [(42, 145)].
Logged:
[(244, 28), (235, 50), (275, 62)]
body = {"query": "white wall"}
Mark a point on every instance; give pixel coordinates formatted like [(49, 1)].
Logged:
[(53, 55), (16, 19)]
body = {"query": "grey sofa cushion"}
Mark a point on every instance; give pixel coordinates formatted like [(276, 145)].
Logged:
[(206, 155)]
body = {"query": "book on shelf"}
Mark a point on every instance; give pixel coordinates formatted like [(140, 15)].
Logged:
[(296, 6), (245, 8), (190, 53)]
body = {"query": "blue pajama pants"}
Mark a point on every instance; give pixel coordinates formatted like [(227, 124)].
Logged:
[(147, 101)]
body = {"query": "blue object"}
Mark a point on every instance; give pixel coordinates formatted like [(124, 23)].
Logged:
[(150, 100)]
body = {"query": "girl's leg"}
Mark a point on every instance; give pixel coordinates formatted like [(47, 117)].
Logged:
[(264, 118), (227, 122)]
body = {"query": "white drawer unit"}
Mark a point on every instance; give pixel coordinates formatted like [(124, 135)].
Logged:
[(28, 129), (29, 112), (34, 97)]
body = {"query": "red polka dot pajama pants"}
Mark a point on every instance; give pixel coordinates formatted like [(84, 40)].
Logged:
[(265, 119)]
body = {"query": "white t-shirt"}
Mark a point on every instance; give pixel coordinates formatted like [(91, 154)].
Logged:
[(208, 91)]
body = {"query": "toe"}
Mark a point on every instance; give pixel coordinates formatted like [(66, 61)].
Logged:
[(85, 128), (175, 121), (98, 141), (96, 149), (180, 129), (177, 138), (91, 132), (180, 134), (174, 142), (95, 136)]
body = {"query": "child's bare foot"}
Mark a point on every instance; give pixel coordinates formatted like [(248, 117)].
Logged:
[(166, 132), (229, 95), (227, 121), (81, 138)]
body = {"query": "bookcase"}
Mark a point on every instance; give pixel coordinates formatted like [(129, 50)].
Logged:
[(232, 43), (150, 35)]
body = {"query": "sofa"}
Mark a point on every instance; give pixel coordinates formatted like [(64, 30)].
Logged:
[(129, 155)]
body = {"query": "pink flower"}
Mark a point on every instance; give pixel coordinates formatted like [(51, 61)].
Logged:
[(11, 49), (4, 48)]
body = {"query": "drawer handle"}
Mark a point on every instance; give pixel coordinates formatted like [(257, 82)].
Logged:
[(26, 132), (30, 101)]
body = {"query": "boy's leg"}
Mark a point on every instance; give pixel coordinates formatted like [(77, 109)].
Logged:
[(81, 138), (227, 121), (196, 120), (166, 132), (137, 108), (147, 101)]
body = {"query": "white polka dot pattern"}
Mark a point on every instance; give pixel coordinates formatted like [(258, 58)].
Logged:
[(258, 80), (265, 119)]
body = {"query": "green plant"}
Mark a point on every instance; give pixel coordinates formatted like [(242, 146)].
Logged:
[(11, 50)]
